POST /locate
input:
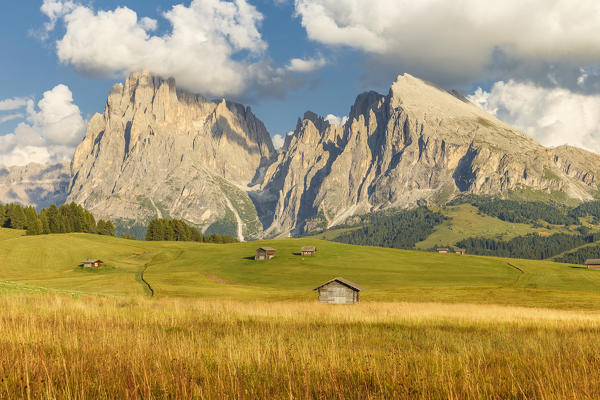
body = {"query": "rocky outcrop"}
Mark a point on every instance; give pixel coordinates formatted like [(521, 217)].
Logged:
[(418, 144), (35, 184), (161, 152)]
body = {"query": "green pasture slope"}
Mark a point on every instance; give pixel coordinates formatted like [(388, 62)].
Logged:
[(174, 269)]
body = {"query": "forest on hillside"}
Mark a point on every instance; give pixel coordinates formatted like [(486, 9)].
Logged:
[(64, 219), (403, 229), (160, 229), (532, 212), (532, 246), (400, 230)]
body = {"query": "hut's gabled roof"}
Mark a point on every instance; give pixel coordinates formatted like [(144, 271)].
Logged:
[(91, 261), (309, 248), (343, 281), (592, 261), (266, 248)]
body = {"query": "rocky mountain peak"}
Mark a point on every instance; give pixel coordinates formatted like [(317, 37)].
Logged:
[(35, 184), (161, 151), (417, 144)]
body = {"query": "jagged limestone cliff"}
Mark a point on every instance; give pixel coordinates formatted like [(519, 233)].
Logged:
[(161, 152), (158, 151), (417, 144), (35, 184)]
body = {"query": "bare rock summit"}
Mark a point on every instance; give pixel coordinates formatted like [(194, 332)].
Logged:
[(161, 152)]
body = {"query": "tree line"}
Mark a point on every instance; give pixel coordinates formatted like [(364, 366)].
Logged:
[(400, 230), (531, 246), (525, 212), (580, 255), (64, 219), (531, 212), (160, 229)]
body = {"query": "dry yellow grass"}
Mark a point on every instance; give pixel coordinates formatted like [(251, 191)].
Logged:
[(58, 346)]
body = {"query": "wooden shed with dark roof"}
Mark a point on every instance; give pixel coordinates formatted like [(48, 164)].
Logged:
[(308, 251), (339, 291), (593, 263), (264, 253), (91, 263)]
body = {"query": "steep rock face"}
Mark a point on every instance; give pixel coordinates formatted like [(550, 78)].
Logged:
[(417, 144), (159, 151), (35, 184)]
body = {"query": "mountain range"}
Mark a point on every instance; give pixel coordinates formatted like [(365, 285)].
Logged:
[(159, 151)]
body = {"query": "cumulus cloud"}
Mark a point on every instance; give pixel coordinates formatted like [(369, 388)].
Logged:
[(10, 117), (335, 120), (13, 104), (304, 66), (554, 116), (50, 133), (278, 141), (453, 42), (213, 47), (54, 9)]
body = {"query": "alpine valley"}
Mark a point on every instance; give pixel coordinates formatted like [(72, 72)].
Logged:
[(159, 151)]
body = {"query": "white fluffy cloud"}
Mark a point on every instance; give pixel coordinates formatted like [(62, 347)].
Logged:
[(55, 9), (335, 120), (213, 47), (50, 133), (449, 40), (13, 104), (553, 116), (278, 141), (304, 66), (10, 117)]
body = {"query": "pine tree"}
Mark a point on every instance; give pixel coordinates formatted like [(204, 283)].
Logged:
[(34, 226), (15, 216)]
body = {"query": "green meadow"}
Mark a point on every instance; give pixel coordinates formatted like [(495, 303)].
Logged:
[(215, 271)]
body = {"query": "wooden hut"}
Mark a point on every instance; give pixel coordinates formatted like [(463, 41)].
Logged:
[(460, 252), (264, 253), (308, 251), (339, 291), (593, 263), (443, 250), (91, 263)]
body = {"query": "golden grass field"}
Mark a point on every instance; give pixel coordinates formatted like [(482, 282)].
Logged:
[(59, 346), (222, 326)]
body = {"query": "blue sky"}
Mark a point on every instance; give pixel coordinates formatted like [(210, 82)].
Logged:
[(536, 63)]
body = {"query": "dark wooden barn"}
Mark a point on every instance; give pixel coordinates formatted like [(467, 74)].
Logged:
[(308, 251), (91, 263), (339, 291), (593, 263), (264, 253)]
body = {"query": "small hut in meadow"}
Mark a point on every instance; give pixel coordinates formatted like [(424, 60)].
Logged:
[(460, 252), (593, 263), (443, 250), (308, 251), (92, 263), (339, 291), (264, 253)]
